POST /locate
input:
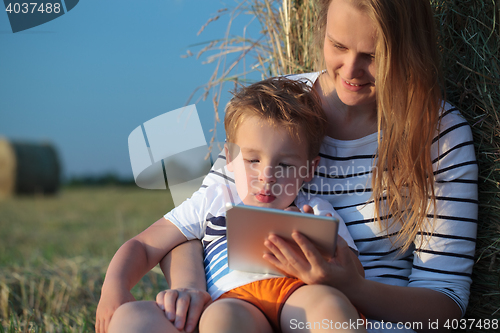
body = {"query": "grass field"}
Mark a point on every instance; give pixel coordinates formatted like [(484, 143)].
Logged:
[(54, 251)]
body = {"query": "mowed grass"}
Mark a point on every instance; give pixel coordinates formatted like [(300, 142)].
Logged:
[(54, 251)]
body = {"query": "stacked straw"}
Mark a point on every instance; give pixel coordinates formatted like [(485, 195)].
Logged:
[(469, 39), (470, 44), (7, 169)]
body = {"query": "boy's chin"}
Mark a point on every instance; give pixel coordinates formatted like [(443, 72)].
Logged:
[(275, 204)]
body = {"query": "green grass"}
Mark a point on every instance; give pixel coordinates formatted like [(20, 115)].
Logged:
[(54, 251)]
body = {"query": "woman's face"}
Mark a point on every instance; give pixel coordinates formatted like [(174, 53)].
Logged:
[(349, 52)]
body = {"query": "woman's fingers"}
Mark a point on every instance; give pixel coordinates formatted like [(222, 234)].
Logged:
[(199, 301), (276, 258), (310, 252), (287, 255), (181, 310), (167, 301), (274, 249), (183, 307), (175, 304), (342, 252)]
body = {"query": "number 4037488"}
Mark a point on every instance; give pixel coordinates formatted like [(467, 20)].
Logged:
[(33, 7), (470, 323)]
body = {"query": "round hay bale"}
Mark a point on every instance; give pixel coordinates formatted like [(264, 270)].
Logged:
[(38, 168), (7, 169)]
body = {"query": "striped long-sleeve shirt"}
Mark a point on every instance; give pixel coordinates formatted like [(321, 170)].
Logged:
[(442, 255)]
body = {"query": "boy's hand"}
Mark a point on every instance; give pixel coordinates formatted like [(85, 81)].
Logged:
[(309, 210), (109, 302), (306, 208), (177, 303)]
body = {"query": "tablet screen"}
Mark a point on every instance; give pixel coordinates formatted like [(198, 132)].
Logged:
[(248, 227)]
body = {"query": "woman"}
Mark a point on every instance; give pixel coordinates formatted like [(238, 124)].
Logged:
[(398, 166)]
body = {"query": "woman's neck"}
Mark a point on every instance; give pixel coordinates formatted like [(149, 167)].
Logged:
[(346, 122)]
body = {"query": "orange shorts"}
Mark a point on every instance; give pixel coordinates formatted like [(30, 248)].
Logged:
[(268, 296)]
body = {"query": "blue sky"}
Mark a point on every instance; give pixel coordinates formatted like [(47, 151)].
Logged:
[(87, 79)]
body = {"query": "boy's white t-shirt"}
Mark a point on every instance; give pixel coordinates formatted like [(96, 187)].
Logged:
[(203, 217)]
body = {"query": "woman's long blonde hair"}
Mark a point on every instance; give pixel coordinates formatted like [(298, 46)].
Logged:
[(409, 97)]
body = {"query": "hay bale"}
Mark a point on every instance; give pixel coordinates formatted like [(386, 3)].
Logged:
[(7, 169), (470, 45), (38, 168)]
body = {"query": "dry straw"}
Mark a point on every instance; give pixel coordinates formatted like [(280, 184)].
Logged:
[(7, 169), (469, 38), (470, 45), (59, 296)]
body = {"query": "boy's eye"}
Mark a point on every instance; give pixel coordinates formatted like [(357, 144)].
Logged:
[(252, 160), (284, 165)]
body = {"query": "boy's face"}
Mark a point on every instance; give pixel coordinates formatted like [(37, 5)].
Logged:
[(270, 167)]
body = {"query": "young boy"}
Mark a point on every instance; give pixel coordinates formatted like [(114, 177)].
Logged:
[(274, 131)]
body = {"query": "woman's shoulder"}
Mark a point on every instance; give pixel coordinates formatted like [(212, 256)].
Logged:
[(452, 124), (449, 116), (452, 149)]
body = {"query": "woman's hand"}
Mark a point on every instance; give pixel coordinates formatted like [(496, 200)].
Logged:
[(110, 301), (341, 271), (183, 306)]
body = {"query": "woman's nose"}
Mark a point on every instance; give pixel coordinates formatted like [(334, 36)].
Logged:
[(353, 67)]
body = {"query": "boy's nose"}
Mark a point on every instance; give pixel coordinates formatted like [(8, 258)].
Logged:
[(267, 175)]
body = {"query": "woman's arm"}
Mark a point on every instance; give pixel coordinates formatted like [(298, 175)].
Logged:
[(184, 302), (187, 261), (417, 306), (183, 267), (438, 286)]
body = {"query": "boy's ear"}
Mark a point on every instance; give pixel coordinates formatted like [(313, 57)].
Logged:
[(229, 165), (314, 165)]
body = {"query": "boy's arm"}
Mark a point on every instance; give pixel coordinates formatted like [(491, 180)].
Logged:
[(187, 297), (130, 263)]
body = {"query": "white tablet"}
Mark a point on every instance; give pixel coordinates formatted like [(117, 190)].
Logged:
[(248, 227)]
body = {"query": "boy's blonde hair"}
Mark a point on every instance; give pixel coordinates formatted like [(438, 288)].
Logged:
[(283, 103)]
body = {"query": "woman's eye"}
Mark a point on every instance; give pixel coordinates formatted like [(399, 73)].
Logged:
[(370, 56), (340, 47)]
